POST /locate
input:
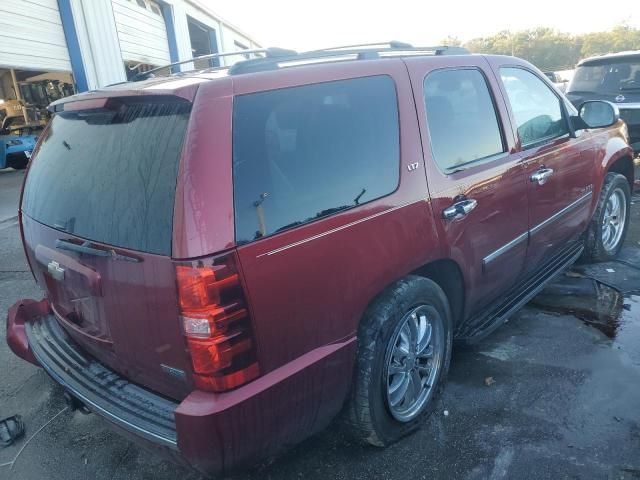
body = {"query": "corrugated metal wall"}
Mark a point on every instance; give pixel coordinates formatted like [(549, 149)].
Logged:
[(142, 32), (104, 35), (31, 36)]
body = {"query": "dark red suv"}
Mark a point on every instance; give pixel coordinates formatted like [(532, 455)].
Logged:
[(231, 257)]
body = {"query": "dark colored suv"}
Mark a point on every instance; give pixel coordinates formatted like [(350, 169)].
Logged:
[(616, 78), (231, 257)]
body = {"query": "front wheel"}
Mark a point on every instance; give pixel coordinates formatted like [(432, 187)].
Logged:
[(608, 227), (404, 351)]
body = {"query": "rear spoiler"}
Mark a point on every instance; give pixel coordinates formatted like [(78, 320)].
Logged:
[(58, 106), (184, 88)]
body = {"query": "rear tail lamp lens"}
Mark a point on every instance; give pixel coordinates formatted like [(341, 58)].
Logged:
[(216, 322)]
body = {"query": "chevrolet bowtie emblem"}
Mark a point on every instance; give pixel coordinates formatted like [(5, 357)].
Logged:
[(55, 270)]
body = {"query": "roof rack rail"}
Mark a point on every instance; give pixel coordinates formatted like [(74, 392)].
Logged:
[(392, 44), (361, 52), (272, 52)]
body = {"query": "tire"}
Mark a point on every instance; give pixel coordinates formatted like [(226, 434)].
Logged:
[(597, 248), (18, 163), (369, 416)]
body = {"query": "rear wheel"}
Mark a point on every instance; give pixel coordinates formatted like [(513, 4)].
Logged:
[(608, 227), (404, 351), (18, 162)]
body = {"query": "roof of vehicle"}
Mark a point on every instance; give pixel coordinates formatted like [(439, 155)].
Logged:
[(610, 57), (184, 84)]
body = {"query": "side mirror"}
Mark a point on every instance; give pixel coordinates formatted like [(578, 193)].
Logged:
[(599, 114)]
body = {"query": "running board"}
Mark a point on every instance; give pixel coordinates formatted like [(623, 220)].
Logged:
[(482, 325)]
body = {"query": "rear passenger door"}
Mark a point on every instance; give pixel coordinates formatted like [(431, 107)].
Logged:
[(477, 187), (323, 224), (559, 168)]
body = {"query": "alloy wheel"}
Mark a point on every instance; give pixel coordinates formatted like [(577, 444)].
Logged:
[(614, 220), (414, 359)]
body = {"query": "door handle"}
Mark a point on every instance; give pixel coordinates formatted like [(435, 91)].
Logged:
[(459, 209), (541, 176)]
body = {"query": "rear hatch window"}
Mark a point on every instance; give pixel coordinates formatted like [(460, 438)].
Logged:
[(621, 77), (109, 174)]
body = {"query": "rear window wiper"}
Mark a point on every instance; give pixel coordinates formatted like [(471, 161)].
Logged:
[(86, 248)]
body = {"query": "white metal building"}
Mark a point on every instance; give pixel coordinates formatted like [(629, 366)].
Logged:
[(93, 43)]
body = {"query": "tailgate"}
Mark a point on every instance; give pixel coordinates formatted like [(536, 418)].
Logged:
[(97, 218)]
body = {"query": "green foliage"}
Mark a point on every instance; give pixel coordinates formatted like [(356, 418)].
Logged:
[(550, 49)]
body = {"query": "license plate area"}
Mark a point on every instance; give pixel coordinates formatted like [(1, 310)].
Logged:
[(74, 292)]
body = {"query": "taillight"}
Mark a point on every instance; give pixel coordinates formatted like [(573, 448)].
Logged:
[(215, 319)]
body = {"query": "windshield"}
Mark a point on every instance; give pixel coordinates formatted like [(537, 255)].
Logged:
[(608, 78), (109, 174)]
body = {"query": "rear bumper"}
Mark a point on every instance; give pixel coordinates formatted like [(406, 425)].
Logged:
[(213, 432), (19, 314), (129, 406)]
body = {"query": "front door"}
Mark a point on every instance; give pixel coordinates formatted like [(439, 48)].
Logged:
[(559, 170), (478, 190)]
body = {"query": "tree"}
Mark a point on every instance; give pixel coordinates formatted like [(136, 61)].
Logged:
[(619, 39), (550, 49)]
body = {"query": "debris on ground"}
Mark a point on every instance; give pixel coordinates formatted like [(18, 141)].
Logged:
[(11, 429), (489, 381), (573, 274), (12, 463)]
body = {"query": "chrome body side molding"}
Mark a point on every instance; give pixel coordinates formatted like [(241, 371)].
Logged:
[(537, 228)]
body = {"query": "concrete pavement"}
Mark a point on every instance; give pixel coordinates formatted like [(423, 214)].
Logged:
[(10, 185)]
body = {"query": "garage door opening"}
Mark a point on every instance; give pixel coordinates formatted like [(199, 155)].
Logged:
[(25, 95), (203, 42)]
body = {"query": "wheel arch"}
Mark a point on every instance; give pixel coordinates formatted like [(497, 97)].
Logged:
[(446, 273), (622, 164)]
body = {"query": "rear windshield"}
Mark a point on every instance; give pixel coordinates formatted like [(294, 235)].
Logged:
[(607, 78), (109, 175), (303, 153)]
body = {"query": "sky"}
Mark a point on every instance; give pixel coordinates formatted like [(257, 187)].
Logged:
[(309, 24)]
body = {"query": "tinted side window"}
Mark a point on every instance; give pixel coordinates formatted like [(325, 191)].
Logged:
[(536, 108), (461, 117), (306, 152)]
